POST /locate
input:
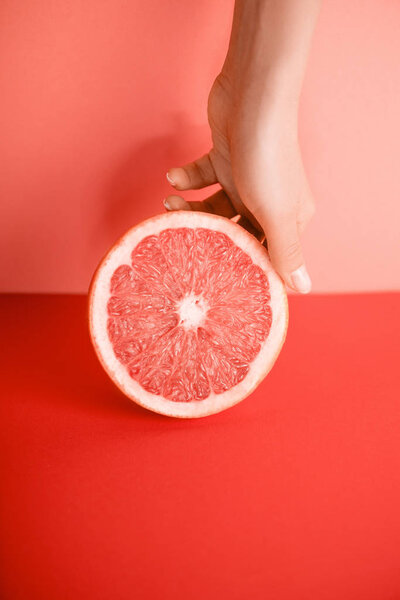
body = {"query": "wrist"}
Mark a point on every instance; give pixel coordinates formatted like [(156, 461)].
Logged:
[(259, 105)]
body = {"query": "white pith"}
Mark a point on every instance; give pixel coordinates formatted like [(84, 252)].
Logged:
[(191, 312)]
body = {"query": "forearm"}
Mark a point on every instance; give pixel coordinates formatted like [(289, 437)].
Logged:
[(268, 48)]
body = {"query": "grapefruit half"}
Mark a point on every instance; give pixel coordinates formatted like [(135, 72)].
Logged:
[(186, 313)]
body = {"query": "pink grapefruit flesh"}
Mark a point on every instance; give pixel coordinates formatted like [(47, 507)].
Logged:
[(186, 314)]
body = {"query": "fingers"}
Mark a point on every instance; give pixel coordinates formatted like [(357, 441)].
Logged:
[(285, 251), (218, 204), (193, 176)]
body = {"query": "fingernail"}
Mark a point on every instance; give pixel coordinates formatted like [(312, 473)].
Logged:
[(171, 181), (167, 204), (301, 280)]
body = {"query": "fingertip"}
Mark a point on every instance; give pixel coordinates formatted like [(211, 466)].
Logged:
[(300, 280), (167, 205), (176, 203), (170, 178), (177, 178)]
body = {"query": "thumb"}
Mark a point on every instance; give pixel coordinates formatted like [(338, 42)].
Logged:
[(285, 251), (193, 176)]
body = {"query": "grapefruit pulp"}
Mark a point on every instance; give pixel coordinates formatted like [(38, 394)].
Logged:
[(186, 313)]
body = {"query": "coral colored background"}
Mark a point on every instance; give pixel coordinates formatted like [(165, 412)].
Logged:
[(99, 98)]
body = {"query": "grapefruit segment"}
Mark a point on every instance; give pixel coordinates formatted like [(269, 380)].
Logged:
[(186, 313)]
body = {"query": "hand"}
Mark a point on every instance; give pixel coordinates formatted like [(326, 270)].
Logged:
[(252, 112), (256, 159)]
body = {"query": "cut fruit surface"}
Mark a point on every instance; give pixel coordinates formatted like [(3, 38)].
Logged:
[(186, 313)]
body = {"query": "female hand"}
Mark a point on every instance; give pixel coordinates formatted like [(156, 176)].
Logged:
[(252, 113)]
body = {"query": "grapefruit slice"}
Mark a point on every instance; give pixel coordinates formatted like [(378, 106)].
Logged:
[(186, 313)]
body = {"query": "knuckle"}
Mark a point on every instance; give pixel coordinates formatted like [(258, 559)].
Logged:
[(191, 174), (203, 168), (292, 251), (304, 218), (308, 208), (311, 210)]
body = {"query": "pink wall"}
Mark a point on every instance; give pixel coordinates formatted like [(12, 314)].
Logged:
[(99, 98)]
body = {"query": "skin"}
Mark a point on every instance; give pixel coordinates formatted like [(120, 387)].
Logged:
[(253, 116)]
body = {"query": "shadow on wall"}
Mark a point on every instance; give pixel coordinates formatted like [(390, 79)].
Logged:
[(138, 185)]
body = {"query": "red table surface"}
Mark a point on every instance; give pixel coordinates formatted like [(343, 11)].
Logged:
[(292, 494)]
